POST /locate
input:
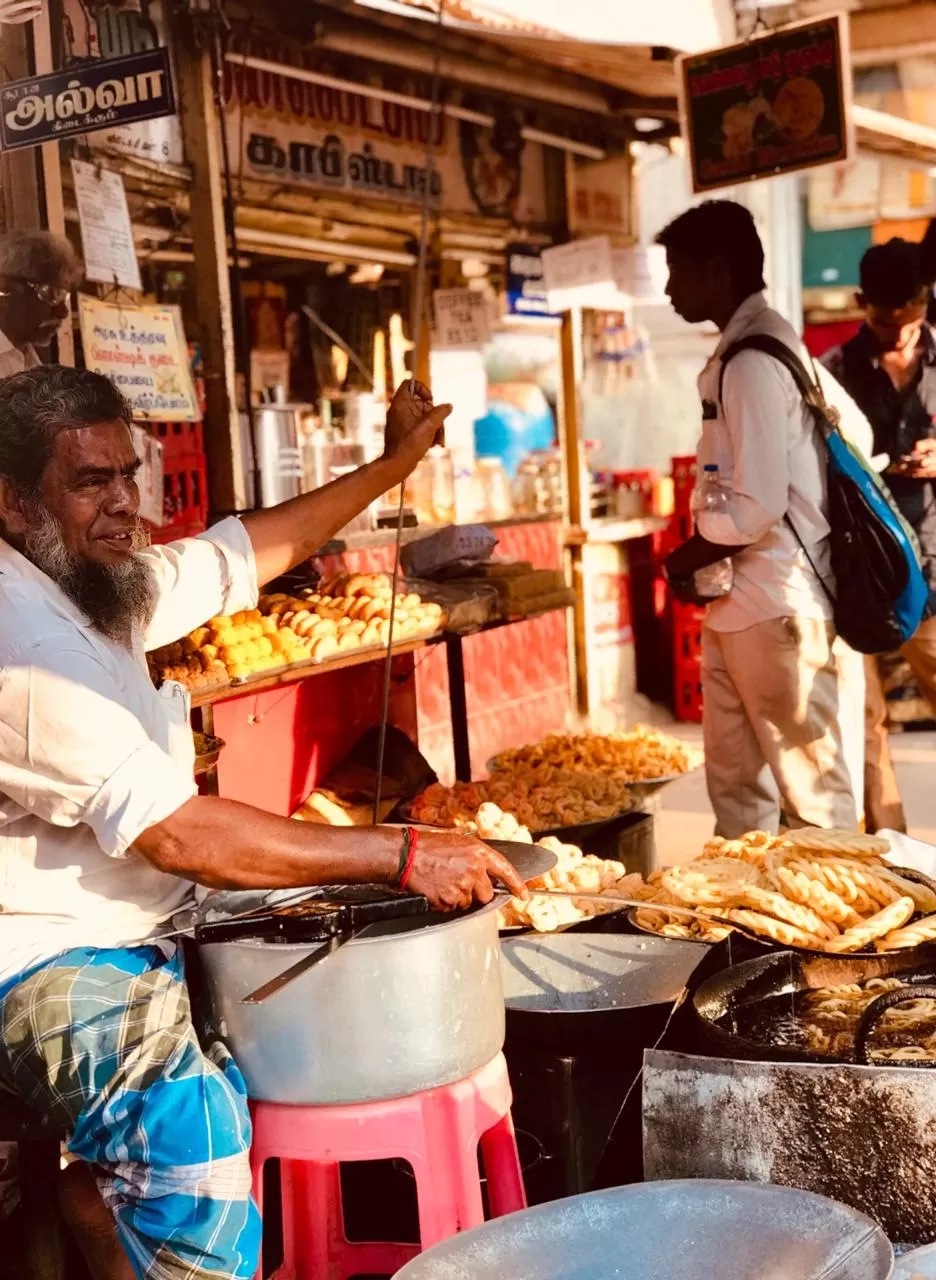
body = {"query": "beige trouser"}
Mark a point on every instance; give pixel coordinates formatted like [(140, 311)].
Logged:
[(883, 805), (773, 737)]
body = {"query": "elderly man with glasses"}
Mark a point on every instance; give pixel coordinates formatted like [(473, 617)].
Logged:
[(37, 273)]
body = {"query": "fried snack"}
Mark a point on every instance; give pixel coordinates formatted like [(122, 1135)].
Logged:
[(771, 903), (849, 844), (715, 883), (754, 847), (922, 895), (778, 930), (911, 935), (841, 879), (878, 926), (559, 799), (800, 887), (641, 755)]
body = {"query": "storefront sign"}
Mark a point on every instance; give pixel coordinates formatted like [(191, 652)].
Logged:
[(83, 99), (600, 196), (95, 30), (461, 318), (526, 286), (771, 105), (337, 141), (106, 234), (144, 353)]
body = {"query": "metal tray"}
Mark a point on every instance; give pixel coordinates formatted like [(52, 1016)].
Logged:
[(696, 1229), (920, 1264)]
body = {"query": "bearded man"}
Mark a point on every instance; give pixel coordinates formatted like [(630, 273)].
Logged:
[(102, 834)]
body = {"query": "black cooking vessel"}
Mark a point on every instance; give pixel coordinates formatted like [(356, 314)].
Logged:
[(781, 973)]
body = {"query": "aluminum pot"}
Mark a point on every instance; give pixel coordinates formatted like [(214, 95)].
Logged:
[(406, 1006)]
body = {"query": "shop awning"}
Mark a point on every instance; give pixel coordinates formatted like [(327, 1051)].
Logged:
[(893, 136)]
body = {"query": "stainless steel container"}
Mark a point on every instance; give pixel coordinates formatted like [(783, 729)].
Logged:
[(278, 454), (404, 1007)]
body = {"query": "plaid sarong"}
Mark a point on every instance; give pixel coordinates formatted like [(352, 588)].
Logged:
[(103, 1042)]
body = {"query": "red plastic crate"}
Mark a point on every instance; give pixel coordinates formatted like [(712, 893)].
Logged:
[(684, 478), (185, 498), (687, 695), (178, 439)]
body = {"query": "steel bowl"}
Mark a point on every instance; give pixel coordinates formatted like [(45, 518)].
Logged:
[(919, 1264), (406, 1006), (696, 1230)]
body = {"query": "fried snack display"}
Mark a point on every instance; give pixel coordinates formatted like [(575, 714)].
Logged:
[(798, 892), (353, 614), (574, 871), (642, 755), (828, 1018), (543, 801)]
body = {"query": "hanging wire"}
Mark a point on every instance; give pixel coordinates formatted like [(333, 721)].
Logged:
[(420, 337)]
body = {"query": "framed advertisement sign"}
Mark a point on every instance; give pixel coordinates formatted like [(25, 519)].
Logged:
[(774, 104)]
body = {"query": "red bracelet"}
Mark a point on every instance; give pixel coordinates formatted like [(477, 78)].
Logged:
[(411, 836)]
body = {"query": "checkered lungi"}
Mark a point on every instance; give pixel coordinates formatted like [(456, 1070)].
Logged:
[(103, 1042)]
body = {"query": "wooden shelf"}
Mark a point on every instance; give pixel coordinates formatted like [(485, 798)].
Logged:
[(275, 679)]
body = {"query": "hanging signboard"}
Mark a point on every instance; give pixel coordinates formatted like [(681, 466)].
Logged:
[(82, 99), (106, 234), (461, 318), (526, 285), (774, 104), (91, 29), (599, 195), (144, 353)]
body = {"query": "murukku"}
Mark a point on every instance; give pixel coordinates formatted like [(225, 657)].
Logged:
[(877, 926)]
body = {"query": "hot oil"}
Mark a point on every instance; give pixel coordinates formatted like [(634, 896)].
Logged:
[(775, 1021)]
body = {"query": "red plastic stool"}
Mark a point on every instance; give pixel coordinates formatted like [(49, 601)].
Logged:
[(438, 1132)]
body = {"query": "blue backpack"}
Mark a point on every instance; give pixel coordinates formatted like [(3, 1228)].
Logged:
[(881, 595)]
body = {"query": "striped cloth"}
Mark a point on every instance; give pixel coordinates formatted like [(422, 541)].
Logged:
[(103, 1042)]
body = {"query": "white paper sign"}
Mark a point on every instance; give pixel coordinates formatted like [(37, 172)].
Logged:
[(150, 476), (578, 263), (641, 273), (106, 233), (461, 318)]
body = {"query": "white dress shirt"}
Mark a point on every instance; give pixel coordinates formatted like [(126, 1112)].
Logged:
[(764, 443), (91, 755), (15, 359)]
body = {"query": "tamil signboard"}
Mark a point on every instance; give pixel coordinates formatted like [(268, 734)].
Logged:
[(144, 353), (84, 98), (771, 105)]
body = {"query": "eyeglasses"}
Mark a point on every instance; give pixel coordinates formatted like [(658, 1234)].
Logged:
[(52, 295)]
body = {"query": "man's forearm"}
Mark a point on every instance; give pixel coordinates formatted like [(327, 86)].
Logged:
[(696, 553), (226, 845), (283, 536)]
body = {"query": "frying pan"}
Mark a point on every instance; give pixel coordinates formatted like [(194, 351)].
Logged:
[(782, 973), (564, 989)]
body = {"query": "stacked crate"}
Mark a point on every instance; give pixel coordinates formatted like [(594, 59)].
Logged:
[(185, 483), (686, 619)]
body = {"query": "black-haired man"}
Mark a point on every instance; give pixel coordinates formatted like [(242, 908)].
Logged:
[(889, 368), (771, 674), (38, 270)]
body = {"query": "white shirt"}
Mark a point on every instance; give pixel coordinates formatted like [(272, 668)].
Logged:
[(764, 443), (15, 359), (91, 755)]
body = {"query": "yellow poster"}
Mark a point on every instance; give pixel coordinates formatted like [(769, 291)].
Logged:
[(144, 353)]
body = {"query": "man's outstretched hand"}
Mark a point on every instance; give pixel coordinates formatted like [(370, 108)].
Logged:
[(413, 423)]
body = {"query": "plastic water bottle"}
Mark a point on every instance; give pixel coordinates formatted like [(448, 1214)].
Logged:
[(712, 495)]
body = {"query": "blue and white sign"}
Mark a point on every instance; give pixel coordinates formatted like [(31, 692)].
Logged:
[(526, 287)]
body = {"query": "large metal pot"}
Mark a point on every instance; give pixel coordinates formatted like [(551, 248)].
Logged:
[(406, 1006)]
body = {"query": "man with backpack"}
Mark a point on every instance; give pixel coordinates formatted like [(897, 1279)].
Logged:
[(774, 679), (889, 368)]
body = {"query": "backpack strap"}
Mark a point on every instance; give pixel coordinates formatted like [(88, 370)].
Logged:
[(810, 389)]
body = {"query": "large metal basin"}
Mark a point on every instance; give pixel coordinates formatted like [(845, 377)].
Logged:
[(918, 1265), (693, 1230), (404, 1007)]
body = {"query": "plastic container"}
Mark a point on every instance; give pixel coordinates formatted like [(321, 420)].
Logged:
[(711, 495)]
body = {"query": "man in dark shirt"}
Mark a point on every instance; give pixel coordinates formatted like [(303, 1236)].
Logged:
[(889, 368)]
